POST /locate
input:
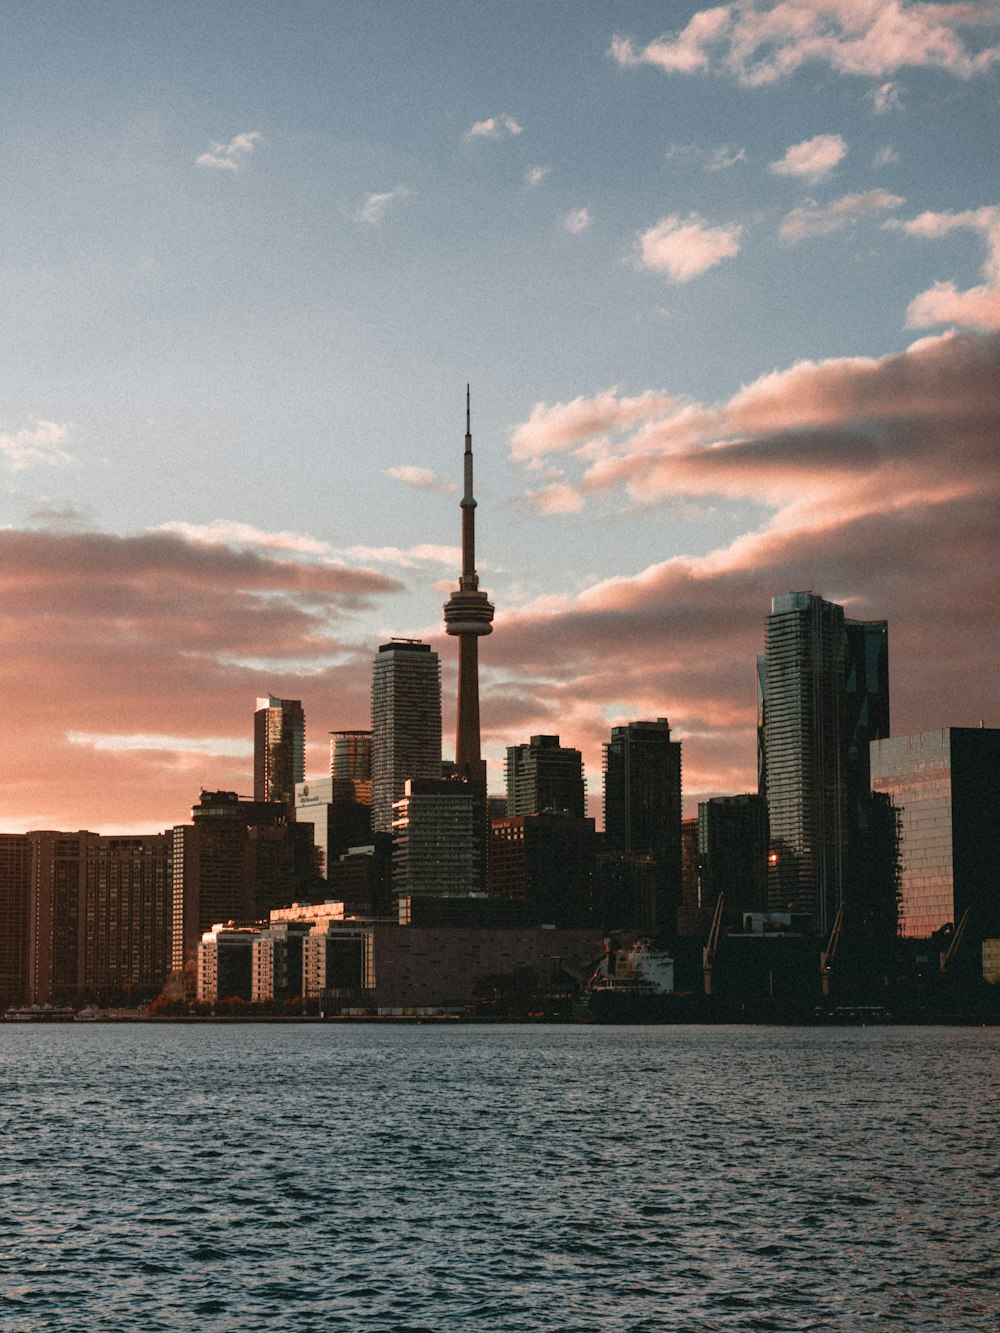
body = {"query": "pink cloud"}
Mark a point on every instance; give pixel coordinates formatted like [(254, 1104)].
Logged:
[(683, 249), (943, 303), (759, 44), (813, 159), (139, 660), (813, 219), (882, 478)]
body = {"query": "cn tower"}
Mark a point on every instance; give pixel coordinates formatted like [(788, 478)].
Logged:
[(468, 615)]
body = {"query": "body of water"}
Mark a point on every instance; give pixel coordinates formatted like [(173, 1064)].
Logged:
[(164, 1177)]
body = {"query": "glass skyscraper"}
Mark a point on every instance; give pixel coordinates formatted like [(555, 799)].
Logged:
[(544, 775), (406, 723), (823, 695), (279, 749)]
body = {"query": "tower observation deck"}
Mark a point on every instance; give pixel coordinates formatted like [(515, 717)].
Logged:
[(468, 614)]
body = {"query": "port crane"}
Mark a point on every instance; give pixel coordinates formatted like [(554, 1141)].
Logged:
[(708, 953), (826, 958)]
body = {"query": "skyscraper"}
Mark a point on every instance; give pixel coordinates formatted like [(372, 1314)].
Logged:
[(823, 694), (351, 755), (468, 614), (406, 723), (642, 805), (279, 749), (544, 775)]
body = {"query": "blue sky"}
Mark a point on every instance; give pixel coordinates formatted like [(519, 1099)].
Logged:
[(253, 252)]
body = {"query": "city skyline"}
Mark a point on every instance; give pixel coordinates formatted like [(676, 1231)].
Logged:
[(730, 311)]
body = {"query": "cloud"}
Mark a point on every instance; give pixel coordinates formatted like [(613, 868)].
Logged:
[(576, 424), (420, 478), (40, 443), (533, 176), (374, 208), (885, 99), (496, 127), (880, 480), (760, 44), (410, 558), (143, 656), (886, 156), (813, 159), (683, 249), (231, 156), (710, 159), (943, 303), (815, 220), (577, 220)]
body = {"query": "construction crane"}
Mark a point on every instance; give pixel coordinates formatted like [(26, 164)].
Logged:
[(826, 958), (948, 958), (708, 953)]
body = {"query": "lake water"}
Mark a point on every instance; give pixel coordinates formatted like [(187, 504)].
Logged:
[(499, 1178)]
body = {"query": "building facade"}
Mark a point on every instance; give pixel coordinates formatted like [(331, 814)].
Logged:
[(642, 806), (406, 723), (279, 749), (544, 775), (437, 838), (547, 861), (944, 786), (823, 695)]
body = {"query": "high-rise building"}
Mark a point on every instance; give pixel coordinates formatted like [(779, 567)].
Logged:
[(351, 755), (406, 723), (279, 749), (548, 862), (642, 806), (468, 614), (732, 854), (15, 891), (544, 775), (438, 834), (339, 810), (823, 695), (945, 789)]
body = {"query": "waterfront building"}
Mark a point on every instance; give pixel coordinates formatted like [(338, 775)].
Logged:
[(548, 862), (338, 962), (15, 896), (944, 786), (642, 806), (544, 775), (279, 749), (233, 862), (732, 854), (437, 838), (276, 961), (406, 723), (823, 695), (225, 962), (99, 916)]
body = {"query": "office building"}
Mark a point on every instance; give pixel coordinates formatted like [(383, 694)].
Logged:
[(15, 892), (406, 723), (732, 854), (338, 818), (548, 862), (944, 786), (544, 775), (437, 843), (642, 806), (233, 862), (279, 749), (351, 755), (823, 695)]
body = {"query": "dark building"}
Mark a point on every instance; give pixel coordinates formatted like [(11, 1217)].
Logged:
[(544, 775), (279, 749), (627, 891), (235, 861), (944, 787), (548, 862), (15, 894), (732, 854), (823, 695), (438, 838), (339, 811), (642, 806), (406, 723), (99, 916), (691, 920)]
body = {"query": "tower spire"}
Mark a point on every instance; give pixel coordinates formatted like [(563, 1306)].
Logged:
[(468, 614)]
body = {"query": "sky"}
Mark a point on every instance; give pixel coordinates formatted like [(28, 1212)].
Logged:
[(725, 283)]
